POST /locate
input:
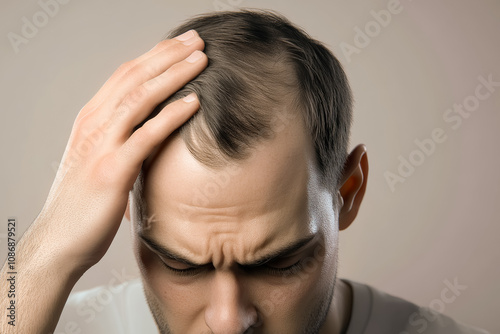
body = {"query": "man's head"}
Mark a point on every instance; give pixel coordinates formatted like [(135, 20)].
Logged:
[(259, 169)]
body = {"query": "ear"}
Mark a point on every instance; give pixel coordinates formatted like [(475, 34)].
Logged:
[(127, 210), (353, 185)]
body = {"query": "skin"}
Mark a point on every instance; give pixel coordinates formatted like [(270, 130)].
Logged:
[(271, 199), (88, 198)]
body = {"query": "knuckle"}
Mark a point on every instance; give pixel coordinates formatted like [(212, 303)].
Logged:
[(146, 132), (152, 84), (141, 70), (137, 95), (122, 110), (132, 100), (125, 67), (162, 44), (83, 123)]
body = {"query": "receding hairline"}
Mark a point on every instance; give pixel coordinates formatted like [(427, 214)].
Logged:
[(272, 85), (325, 89)]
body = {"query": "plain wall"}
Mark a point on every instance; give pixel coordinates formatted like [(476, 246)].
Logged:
[(439, 222)]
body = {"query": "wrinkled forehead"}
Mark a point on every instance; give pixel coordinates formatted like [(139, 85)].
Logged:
[(276, 169), (266, 196)]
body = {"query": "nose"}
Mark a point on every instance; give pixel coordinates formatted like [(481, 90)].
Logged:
[(229, 310)]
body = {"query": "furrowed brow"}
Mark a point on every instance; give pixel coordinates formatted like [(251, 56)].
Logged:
[(276, 254), (163, 251), (282, 252)]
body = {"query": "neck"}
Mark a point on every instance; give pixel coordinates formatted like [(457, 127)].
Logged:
[(339, 313)]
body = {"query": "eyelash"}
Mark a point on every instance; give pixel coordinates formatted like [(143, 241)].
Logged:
[(183, 272), (286, 271)]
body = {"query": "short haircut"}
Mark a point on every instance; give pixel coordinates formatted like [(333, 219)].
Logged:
[(258, 64)]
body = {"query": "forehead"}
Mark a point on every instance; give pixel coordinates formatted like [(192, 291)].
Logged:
[(266, 196)]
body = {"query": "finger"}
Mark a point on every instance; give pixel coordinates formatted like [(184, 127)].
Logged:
[(142, 142), (118, 74), (139, 103), (151, 68), (137, 71), (174, 50)]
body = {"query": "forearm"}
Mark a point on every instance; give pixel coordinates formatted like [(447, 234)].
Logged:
[(101, 162), (37, 292)]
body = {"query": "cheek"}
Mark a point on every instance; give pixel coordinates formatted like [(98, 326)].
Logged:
[(298, 295), (153, 274)]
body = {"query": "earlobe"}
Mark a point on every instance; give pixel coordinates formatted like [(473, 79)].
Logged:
[(340, 201), (353, 187), (127, 210)]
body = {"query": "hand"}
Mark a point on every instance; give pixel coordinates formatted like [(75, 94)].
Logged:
[(103, 156), (102, 160)]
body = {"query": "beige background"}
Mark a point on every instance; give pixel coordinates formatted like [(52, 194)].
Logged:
[(441, 224)]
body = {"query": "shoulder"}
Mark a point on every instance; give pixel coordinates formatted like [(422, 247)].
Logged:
[(107, 309), (374, 311)]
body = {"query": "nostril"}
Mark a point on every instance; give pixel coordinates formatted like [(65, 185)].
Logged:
[(222, 321), (253, 328)]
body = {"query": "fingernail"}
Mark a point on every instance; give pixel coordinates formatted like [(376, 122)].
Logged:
[(185, 36), (190, 98), (194, 56)]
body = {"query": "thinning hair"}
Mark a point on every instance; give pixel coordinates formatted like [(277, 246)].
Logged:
[(259, 65)]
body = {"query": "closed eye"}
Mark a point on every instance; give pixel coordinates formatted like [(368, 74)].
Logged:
[(181, 268), (284, 271), (286, 266), (276, 268)]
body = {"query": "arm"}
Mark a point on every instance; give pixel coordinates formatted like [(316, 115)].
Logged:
[(89, 195)]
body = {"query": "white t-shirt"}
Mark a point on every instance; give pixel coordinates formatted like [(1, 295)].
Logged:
[(123, 309)]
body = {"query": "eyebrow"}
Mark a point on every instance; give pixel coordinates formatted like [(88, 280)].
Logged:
[(284, 251)]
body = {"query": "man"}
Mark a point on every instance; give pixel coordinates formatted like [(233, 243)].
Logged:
[(235, 212)]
